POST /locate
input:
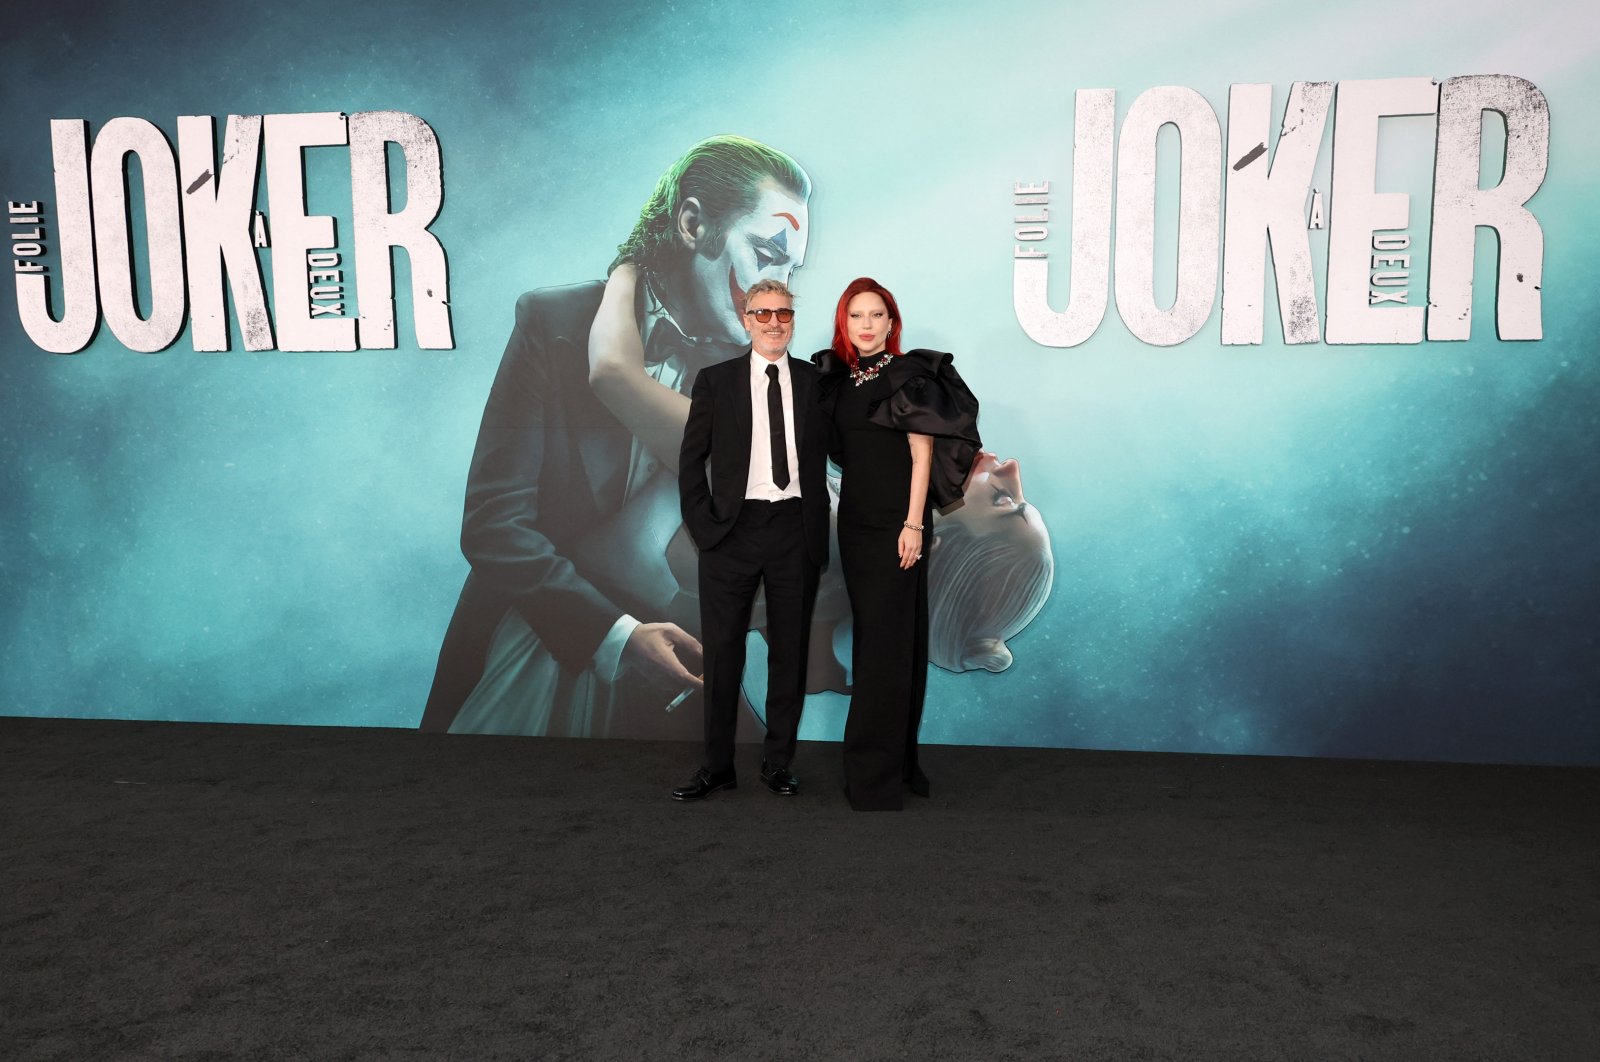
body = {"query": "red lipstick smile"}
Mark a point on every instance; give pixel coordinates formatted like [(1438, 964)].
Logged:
[(736, 293)]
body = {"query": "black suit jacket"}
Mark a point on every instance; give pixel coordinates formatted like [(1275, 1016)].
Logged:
[(550, 465), (714, 463)]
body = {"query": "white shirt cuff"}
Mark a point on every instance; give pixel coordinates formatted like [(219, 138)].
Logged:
[(608, 658)]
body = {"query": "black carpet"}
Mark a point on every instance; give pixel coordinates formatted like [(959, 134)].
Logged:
[(182, 891)]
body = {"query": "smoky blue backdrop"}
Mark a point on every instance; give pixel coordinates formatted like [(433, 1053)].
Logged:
[(1333, 551)]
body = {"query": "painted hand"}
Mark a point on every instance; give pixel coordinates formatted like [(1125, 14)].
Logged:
[(659, 651)]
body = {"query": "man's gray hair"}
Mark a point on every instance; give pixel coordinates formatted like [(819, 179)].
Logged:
[(769, 287)]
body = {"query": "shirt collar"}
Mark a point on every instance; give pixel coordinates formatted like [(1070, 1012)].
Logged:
[(656, 315), (657, 325), (758, 365)]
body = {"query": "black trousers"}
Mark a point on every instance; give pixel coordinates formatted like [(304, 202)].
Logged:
[(766, 545)]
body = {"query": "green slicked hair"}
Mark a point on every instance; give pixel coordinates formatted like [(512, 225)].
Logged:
[(723, 173)]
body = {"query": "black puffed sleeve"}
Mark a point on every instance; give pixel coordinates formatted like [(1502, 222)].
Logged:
[(930, 398)]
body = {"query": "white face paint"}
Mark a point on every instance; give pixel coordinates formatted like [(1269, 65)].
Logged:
[(994, 502), (767, 243)]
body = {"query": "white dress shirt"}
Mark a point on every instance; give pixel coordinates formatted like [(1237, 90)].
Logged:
[(760, 487)]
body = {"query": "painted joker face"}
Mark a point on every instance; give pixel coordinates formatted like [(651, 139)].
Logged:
[(767, 243)]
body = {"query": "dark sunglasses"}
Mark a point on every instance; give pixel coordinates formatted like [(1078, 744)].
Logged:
[(784, 316)]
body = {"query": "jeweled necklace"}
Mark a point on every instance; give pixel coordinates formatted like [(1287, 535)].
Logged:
[(861, 376)]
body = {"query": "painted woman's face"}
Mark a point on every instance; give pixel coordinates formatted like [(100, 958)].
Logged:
[(994, 502), (992, 569)]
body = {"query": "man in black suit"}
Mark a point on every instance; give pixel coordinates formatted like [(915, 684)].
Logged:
[(752, 484), (569, 622)]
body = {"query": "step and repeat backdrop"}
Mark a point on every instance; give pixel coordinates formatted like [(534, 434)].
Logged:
[(337, 366)]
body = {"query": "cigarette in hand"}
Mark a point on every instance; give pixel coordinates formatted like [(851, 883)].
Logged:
[(680, 698)]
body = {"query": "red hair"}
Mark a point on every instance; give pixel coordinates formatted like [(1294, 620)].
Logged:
[(841, 319)]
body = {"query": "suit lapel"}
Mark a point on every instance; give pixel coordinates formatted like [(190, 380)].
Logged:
[(802, 383), (743, 418)]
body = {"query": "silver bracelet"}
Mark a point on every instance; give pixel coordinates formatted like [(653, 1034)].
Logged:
[(911, 526)]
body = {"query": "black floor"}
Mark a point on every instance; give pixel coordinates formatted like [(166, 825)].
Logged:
[(180, 891)]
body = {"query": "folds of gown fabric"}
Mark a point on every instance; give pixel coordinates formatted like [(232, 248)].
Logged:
[(889, 662)]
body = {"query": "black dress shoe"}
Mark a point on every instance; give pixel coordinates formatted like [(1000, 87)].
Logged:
[(779, 780), (703, 784), (917, 783)]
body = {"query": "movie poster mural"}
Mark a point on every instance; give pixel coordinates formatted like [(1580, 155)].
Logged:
[(350, 347)]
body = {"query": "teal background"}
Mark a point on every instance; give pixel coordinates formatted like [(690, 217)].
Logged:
[(1334, 551)]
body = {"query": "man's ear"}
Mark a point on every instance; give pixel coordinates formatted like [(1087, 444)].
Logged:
[(691, 224)]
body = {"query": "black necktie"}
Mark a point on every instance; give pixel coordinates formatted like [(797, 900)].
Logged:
[(780, 447)]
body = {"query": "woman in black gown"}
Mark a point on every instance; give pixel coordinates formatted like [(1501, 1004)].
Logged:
[(905, 435)]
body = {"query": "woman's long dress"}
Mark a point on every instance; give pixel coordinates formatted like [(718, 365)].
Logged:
[(889, 660)]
